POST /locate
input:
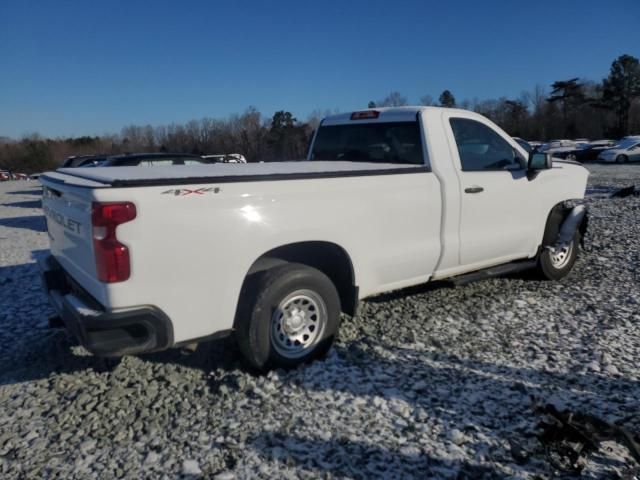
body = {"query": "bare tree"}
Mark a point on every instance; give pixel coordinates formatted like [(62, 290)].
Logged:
[(427, 101), (316, 116), (394, 99), (591, 109)]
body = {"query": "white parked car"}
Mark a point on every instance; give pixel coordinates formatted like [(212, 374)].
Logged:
[(556, 144), (630, 137), (150, 258), (226, 158), (628, 150), (602, 143)]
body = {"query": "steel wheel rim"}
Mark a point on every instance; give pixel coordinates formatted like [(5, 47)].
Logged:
[(560, 257), (298, 323)]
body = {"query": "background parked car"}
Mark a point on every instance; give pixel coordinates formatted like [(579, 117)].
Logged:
[(227, 158), (628, 150), (524, 144), (585, 153), (5, 175), (154, 160), (565, 148), (556, 144), (83, 161)]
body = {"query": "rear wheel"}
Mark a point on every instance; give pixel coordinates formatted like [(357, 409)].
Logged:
[(288, 315), (622, 159), (572, 157), (555, 263)]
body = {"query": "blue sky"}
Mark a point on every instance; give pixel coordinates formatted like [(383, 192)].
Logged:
[(89, 67)]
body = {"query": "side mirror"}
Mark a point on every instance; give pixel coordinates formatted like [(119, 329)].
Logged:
[(539, 161)]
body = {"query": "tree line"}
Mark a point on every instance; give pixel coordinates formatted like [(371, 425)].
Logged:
[(571, 108)]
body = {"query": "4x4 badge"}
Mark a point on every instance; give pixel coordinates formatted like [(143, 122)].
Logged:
[(181, 192)]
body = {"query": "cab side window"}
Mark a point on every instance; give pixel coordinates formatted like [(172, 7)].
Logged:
[(481, 148)]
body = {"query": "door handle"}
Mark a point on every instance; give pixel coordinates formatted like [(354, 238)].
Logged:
[(474, 189)]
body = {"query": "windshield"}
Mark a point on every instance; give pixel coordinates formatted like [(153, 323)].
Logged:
[(393, 142)]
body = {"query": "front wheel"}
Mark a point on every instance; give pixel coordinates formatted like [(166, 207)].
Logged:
[(556, 263), (622, 159), (288, 315)]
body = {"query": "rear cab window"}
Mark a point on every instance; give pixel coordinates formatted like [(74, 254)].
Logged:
[(377, 142)]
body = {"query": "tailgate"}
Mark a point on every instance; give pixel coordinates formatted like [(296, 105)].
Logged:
[(67, 210)]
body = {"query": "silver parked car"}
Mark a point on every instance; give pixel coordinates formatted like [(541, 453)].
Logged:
[(628, 150)]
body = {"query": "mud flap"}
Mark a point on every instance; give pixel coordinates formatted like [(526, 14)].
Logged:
[(584, 225), (571, 224)]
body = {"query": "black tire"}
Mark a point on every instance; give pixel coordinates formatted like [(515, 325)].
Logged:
[(622, 159), (259, 318), (549, 269)]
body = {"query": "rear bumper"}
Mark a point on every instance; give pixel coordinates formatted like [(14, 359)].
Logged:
[(102, 332)]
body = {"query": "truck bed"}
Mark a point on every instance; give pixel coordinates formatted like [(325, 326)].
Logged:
[(189, 254), (100, 177)]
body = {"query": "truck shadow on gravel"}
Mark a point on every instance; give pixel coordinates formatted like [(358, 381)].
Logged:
[(35, 191), (31, 350), (527, 275), (408, 291), (489, 407), (359, 459), (411, 387), (221, 354), (33, 222), (48, 351), (24, 204)]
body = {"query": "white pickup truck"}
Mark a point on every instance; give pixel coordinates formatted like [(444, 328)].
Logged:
[(144, 259)]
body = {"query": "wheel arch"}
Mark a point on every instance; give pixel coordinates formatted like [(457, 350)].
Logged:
[(330, 258)]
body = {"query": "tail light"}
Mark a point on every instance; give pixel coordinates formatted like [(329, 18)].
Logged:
[(112, 257)]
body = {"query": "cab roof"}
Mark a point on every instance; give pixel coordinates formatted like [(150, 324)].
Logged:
[(385, 114)]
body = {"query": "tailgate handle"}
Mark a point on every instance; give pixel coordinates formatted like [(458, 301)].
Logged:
[(474, 189), (52, 191)]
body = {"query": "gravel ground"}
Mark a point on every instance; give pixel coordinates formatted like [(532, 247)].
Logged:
[(428, 382)]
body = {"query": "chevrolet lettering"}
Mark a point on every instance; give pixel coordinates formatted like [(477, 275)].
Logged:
[(67, 223)]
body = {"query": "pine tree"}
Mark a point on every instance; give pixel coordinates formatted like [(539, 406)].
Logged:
[(620, 88), (447, 99)]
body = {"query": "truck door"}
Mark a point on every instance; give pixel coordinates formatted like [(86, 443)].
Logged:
[(495, 194)]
